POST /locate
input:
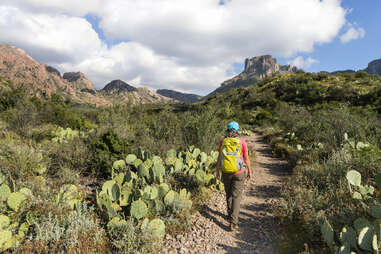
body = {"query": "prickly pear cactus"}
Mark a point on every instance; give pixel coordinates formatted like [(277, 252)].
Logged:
[(5, 236), (119, 165), (130, 159), (158, 170), (169, 198), (138, 209), (4, 221), (157, 228), (5, 191), (327, 232), (171, 153), (116, 222), (354, 177), (15, 199)]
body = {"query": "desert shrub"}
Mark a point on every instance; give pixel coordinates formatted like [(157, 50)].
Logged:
[(74, 156), (74, 232), (22, 118), (106, 149), (18, 159), (129, 238)]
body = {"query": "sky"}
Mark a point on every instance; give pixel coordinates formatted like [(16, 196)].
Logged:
[(190, 45)]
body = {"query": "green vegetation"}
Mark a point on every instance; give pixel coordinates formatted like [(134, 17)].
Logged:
[(118, 179)]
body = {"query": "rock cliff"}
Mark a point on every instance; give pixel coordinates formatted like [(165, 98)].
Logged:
[(374, 67), (256, 68)]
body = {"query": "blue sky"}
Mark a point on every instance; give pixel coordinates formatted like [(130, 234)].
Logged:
[(355, 54), (190, 46)]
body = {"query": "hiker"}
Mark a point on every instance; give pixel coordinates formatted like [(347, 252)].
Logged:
[(234, 162)]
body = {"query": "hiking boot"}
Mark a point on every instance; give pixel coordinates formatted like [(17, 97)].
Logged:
[(233, 227)]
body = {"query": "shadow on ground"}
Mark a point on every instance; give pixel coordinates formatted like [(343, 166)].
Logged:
[(258, 229)]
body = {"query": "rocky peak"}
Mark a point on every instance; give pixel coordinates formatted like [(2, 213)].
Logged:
[(80, 82), (73, 76), (53, 70), (262, 65), (374, 67), (256, 68), (118, 86)]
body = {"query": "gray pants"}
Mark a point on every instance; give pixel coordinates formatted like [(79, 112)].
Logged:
[(234, 185)]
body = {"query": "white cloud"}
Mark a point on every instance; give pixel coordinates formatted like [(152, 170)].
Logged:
[(353, 33), (205, 32), (301, 62), (139, 65), (176, 44), (69, 7), (49, 38)]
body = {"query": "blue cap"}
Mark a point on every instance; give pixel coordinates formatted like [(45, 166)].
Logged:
[(233, 126)]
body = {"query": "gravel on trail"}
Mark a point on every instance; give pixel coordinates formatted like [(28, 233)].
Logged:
[(258, 227)]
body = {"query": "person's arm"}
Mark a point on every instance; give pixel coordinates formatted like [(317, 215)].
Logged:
[(218, 167), (246, 159)]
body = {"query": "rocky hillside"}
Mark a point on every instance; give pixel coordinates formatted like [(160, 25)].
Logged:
[(118, 91), (256, 68), (42, 80), (184, 97), (374, 67)]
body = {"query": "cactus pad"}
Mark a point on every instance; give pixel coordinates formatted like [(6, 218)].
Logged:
[(137, 163), (130, 159), (120, 178), (143, 170), (348, 237), (5, 235), (200, 175), (196, 153), (119, 165), (361, 223), (2, 178), (4, 221), (375, 211), (327, 232), (138, 209), (4, 192), (178, 165), (158, 170), (157, 228), (159, 206), (169, 198), (116, 222), (171, 153), (365, 238), (15, 199), (378, 180), (354, 177), (163, 189)]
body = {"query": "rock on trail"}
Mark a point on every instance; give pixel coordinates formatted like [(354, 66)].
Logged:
[(258, 228)]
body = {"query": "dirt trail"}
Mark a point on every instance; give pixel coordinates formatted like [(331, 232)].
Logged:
[(258, 230)]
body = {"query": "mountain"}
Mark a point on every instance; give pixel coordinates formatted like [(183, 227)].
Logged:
[(374, 67), (41, 80), (343, 71), (80, 82), (184, 97), (118, 86), (35, 77), (118, 91), (256, 68)]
